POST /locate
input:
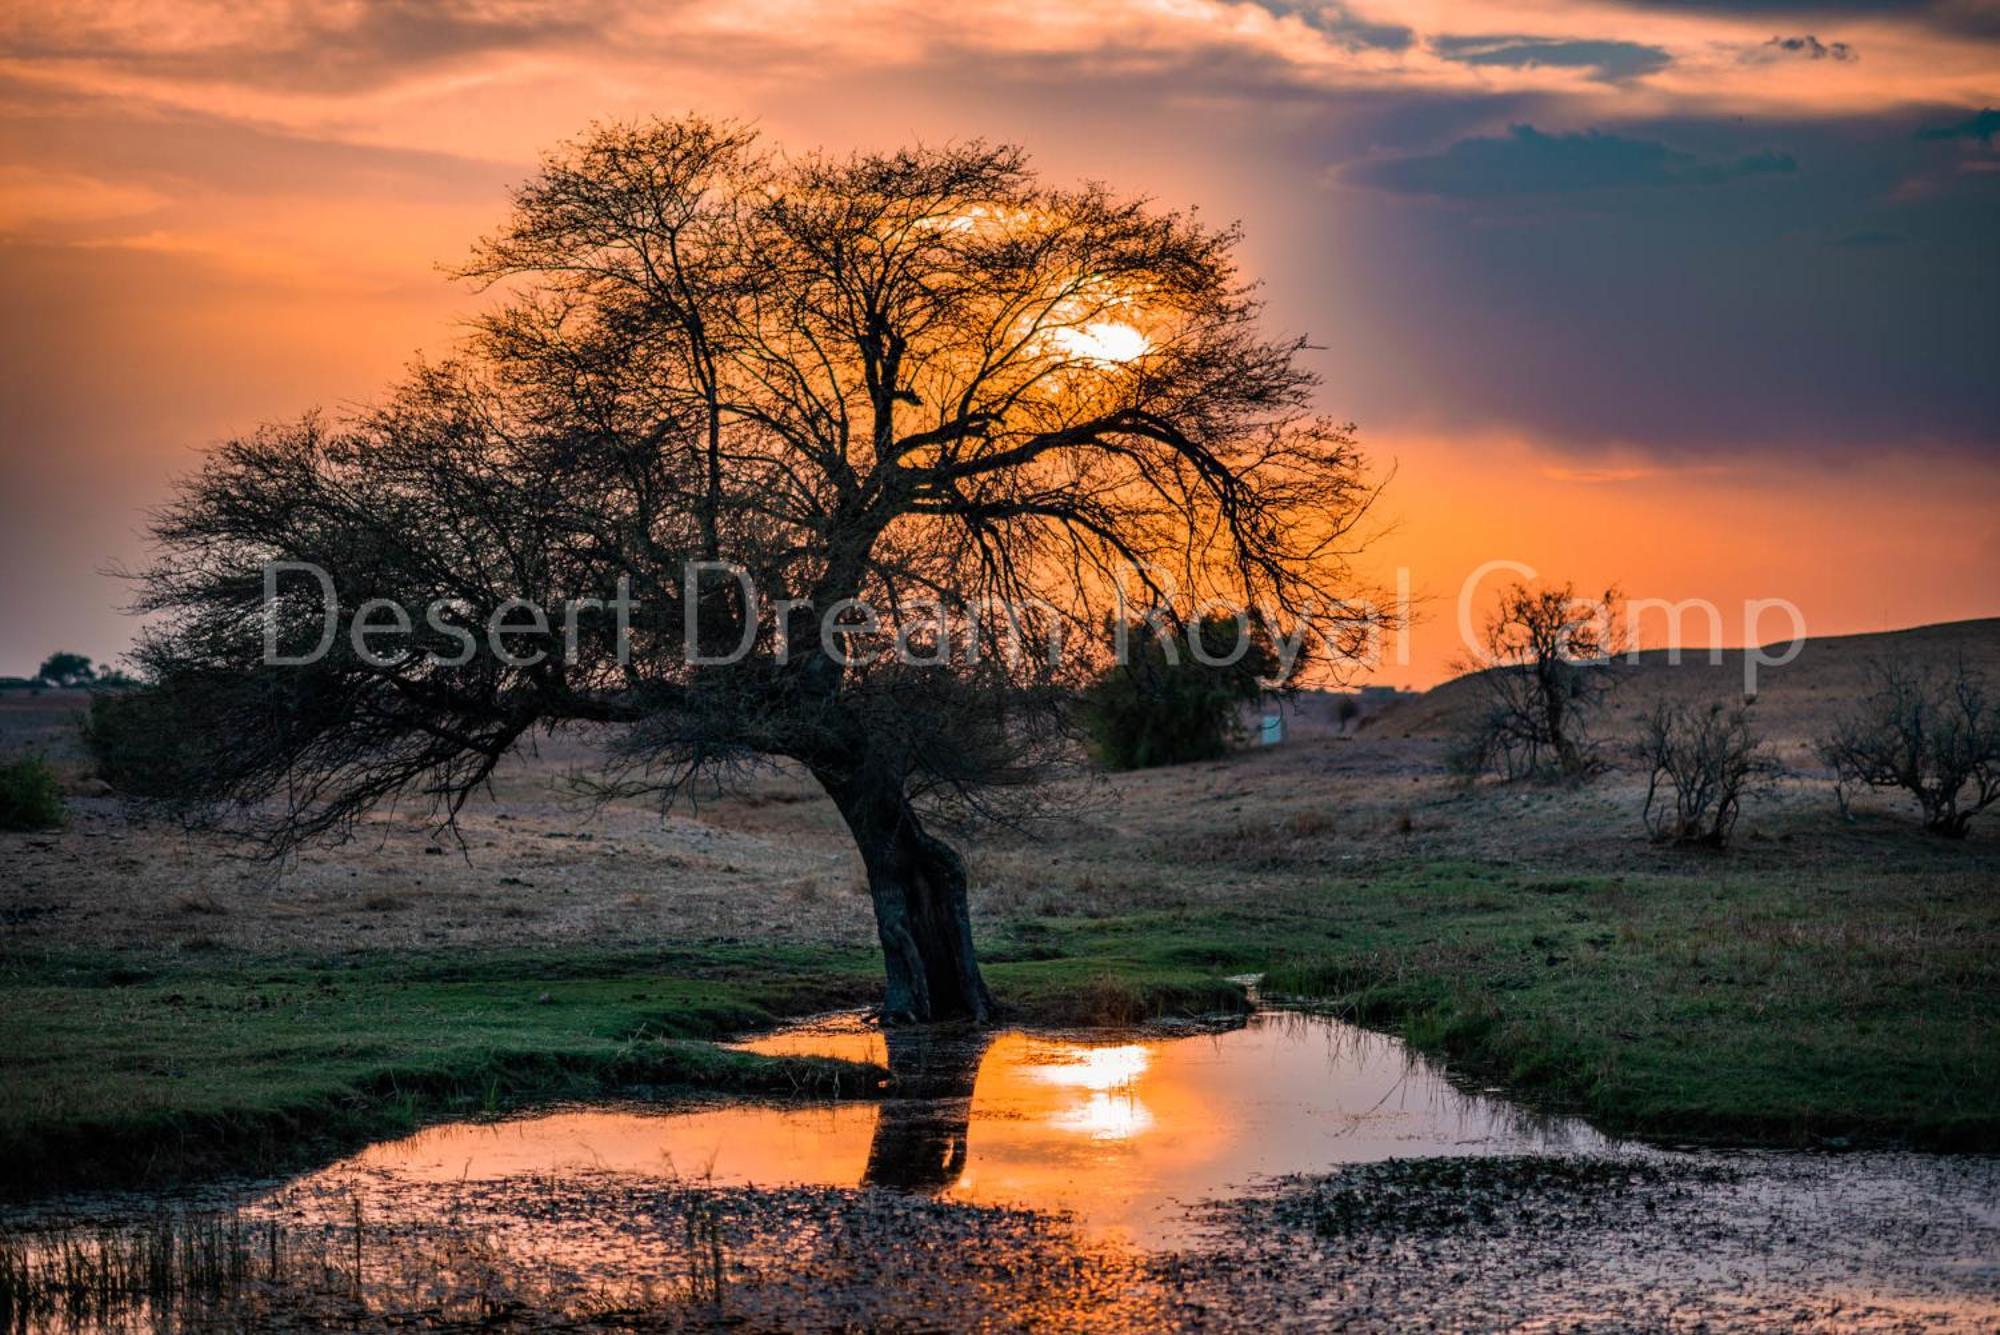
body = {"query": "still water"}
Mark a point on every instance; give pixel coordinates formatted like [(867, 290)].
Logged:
[(1119, 1131)]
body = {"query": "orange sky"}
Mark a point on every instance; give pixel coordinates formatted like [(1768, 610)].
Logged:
[(1562, 337)]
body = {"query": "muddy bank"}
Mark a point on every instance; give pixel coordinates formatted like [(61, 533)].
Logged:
[(1871, 1243)]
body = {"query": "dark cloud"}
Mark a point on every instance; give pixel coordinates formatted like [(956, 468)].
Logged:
[(1341, 23), (1527, 161), (1684, 321), (1610, 61), (1810, 47), (1981, 127), (1974, 18)]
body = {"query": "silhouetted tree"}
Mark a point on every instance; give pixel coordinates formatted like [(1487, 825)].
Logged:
[(1544, 666), (1931, 731), (66, 669), (1166, 704), (1700, 763), (922, 380)]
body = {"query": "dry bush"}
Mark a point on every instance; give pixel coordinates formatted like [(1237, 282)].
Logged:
[(1928, 730), (1701, 761), (1544, 666)]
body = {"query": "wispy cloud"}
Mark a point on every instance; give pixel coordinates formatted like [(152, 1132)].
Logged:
[(1806, 47), (1610, 61), (32, 197), (1343, 24), (1528, 161), (306, 47)]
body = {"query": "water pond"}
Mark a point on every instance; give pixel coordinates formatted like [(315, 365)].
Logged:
[(1119, 1131), (1287, 1171)]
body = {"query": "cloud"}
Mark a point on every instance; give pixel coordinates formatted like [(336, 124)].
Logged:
[(1609, 61), (1981, 127), (1808, 47), (33, 196), (325, 48), (1528, 161), (1688, 322), (1597, 477), (1973, 18), (1344, 25)]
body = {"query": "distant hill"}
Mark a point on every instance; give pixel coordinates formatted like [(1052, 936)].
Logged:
[(1794, 702)]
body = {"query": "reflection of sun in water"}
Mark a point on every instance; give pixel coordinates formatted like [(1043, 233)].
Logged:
[(1112, 1111), (1101, 341), (1093, 1068), (1115, 1115)]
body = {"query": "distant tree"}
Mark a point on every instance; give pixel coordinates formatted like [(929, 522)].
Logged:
[(1929, 730), (924, 381), (1543, 668), (66, 669), (1701, 761), (1165, 705)]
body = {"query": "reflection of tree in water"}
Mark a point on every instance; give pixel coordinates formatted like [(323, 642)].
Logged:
[(920, 1136)]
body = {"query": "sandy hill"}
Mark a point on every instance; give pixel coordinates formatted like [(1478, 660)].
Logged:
[(1794, 702)]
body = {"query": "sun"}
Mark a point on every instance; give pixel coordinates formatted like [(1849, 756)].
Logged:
[(1102, 341)]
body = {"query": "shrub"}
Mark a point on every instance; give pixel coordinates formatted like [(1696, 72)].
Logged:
[(1701, 761), (1474, 746), (1928, 730), (1163, 706), (141, 745), (30, 797)]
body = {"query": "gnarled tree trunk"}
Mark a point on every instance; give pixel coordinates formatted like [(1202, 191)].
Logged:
[(917, 882)]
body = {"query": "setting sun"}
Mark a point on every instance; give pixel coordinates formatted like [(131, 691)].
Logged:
[(1102, 341)]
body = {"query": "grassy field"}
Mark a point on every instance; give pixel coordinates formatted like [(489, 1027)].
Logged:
[(1745, 1010), (121, 1070)]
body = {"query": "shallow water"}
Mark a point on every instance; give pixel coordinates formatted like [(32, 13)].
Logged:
[(1092, 1180), (1119, 1131)]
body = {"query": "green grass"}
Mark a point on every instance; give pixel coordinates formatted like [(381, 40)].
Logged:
[(1737, 1007), (120, 1072), (1744, 1007)]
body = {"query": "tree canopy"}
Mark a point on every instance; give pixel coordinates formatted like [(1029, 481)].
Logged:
[(64, 668), (850, 455)]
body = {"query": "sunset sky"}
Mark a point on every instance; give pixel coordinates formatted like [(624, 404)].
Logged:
[(1698, 297)]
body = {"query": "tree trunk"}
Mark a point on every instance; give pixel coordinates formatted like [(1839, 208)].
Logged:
[(917, 882)]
